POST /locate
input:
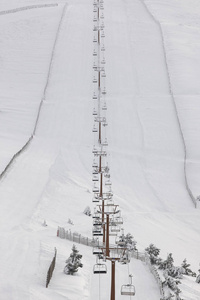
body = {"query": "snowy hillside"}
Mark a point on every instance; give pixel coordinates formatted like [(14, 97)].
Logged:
[(152, 81)]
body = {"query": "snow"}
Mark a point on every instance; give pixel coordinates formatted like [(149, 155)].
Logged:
[(46, 68)]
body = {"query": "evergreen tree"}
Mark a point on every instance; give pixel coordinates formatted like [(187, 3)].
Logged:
[(198, 277), (73, 262), (168, 263), (153, 252), (186, 270), (87, 211)]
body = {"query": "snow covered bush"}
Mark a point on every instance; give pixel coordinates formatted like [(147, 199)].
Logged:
[(73, 262), (186, 270), (128, 241), (171, 282), (70, 221), (170, 269), (153, 252), (198, 277), (87, 211)]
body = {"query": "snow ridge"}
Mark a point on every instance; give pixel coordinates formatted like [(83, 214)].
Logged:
[(11, 11), (175, 107), (47, 81)]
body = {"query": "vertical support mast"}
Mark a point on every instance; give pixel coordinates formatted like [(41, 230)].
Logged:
[(107, 236), (112, 280)]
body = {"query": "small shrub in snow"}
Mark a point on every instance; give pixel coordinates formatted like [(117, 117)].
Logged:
[(153, 252), (186, 270), (198, 277), (87, 211), (73, 262), (70, 221)]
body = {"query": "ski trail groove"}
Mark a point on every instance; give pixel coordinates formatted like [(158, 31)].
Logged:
[(174, 104), (17, 154), (15, 10)]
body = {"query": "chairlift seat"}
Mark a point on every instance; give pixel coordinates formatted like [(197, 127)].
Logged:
[(99, 269), (128, 290)]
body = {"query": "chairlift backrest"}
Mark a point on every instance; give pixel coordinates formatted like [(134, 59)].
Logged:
[(100, 269), (128, 290)]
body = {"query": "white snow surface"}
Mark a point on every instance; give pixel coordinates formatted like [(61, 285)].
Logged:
[(152, 51)]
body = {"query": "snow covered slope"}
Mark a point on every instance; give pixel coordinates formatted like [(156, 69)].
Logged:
[(46, 92)]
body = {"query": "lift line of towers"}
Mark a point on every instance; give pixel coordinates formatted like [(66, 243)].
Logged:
[(107, 218)]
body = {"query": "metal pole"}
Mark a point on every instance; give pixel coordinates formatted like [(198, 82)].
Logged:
[(107, 235), (113, 280)]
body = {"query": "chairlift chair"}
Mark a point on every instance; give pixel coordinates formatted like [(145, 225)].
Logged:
[(94, 53), (95, 200), (100, 269), (94, 80), (108, 182), (103, 61), (94, 129), (97, 233), (97, 251), (94, 96), (95, 164), (103, 48), (105, 142), (103, 75), (103, 34), (95, 189), (94, 112), (94, 39), (95, 178), (95, 172), (115, 228), (95, 19), (128, 289)]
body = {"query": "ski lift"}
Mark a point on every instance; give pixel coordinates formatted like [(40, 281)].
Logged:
[(97, 251), (97, 222), (94, 112), (95, 19), (95, 164), (105, 142), (95, 178), (95, 200), (115, 228), (108, 182), (96, 215), (107, 175), (103, 34), (94, 96), (99, 269), (104, 92), (97, 232), (103, 75), (94, 80), (94, 150), (95, 189), (102, 16), (95, 172), (117, 220), (103, 61), (94, 129), (103, 48), (104, 107), (94, 39), (105, 124), (128, 289), (94, 53)]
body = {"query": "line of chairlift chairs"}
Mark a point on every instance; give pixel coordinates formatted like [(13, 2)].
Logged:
[(115, 222)]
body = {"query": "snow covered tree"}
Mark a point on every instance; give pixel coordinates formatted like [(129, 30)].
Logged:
[(168, 263), (73, 262), (171, 283), (186, 270), (153, 252), (198, 277), (127, 241), (87, 211)]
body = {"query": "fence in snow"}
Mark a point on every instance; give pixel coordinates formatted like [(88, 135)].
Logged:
[(78, 238), (51, 269)]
